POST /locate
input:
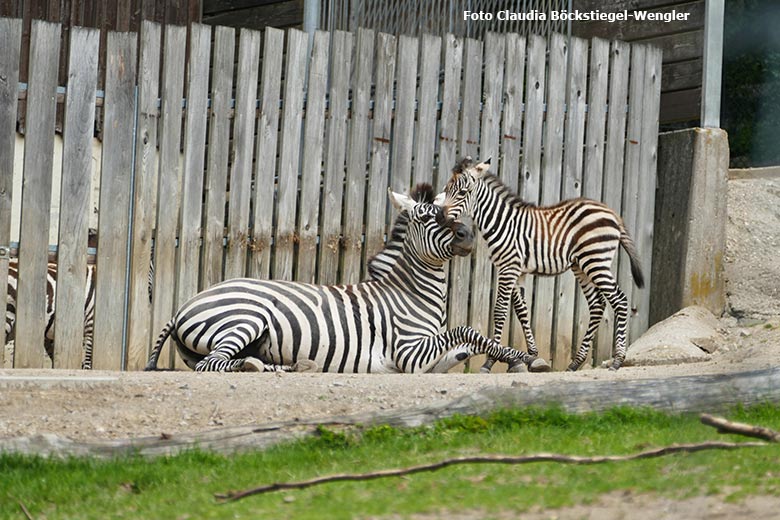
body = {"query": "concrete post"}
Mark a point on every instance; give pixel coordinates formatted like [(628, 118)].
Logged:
[(690, 222)]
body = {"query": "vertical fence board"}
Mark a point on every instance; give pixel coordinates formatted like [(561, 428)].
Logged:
[(36, 195), (468, 144), (651, 94), (511, 134), (530, 179), (593, 169), (376, 206), (450, 96), (169, 182), (265, 156), (614, 156), (311, 171), (10, 42), (113, 219), (218, 153), (355, 186), (333, 186), (571, 186), (632, 167), (194, 157), (74, 197), (403, 123), (241, 167), (427, 96), (140, 312), (544, 305), (295, 70), (490, 137)]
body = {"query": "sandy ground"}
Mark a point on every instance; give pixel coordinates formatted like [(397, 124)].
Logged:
[(108, 405)]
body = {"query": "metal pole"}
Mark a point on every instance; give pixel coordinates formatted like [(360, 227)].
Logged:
[(311, 16), (713, 63)]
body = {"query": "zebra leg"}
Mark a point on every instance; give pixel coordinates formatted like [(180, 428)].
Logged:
[(596, 306), (506, 281), (617, 299), (428, 353)]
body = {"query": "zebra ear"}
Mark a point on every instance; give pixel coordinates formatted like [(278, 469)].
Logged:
[(482, 168), (400, 201), (439, 199)]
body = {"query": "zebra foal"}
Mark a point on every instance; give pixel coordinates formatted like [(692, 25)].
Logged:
[(578, 234), (392, 323)]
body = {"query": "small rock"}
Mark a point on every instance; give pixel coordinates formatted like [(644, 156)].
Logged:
[(337, 383)]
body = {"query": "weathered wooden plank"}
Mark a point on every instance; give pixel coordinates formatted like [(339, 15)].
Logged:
[(10, 42), (631, 168), (468, 144), (403, 126), (595, 144), (74, 197), (376, 209), (648, 158), (531, 164), (113, 217), (682, 75), (683, 105), (311, 171), (36, 195), (511, 134), (490, 137), (450, 109), (241, 166), (285, 13), (681, 46), (335, 165), (357, 157), (613, 166), (289, 159), (544, 296), (194, 160), (265, 155), (140, 307), (571, 186), (169, 183), (427, 98), (219, 152)]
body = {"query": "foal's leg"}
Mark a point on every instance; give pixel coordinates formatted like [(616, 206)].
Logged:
[(504, 288), (596, 305)]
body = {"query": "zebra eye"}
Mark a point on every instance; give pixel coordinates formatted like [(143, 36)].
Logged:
[(425, 218), (462, 193)]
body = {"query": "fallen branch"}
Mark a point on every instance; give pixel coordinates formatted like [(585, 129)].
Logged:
[(24, 509), (489, 459), (748, 430)]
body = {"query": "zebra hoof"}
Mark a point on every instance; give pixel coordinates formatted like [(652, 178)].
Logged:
[(539, 365), (517, 368), (305, 365), (253, 365), (484, 369)]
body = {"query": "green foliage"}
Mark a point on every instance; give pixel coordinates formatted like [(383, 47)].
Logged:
[(183, 486)]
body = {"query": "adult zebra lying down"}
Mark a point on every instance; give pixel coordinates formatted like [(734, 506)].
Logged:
[(578, 234), (394, 323)]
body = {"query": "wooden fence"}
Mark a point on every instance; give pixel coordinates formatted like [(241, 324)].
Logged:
[(231, 182)]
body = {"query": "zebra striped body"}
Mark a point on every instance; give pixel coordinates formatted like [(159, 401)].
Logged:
[(51, 297), (578, 234), (394, 323)]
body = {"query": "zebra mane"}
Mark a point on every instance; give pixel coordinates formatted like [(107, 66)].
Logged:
[(383, 262), (505, 192)]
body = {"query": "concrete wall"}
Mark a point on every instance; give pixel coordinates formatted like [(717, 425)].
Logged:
[(690, 222)]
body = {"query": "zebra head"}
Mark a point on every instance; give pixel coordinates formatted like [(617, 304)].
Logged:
[(459, 192), (430, 236)]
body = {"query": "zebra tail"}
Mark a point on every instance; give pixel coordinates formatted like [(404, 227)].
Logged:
[(158, 345), (633, 255)]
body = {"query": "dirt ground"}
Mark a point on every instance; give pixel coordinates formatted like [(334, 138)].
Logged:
[(111, 405)]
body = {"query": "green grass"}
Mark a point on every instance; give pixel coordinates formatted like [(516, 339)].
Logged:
[(183, 486)]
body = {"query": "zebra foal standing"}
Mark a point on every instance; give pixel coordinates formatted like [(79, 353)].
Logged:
[(392, 323), (578, 234)]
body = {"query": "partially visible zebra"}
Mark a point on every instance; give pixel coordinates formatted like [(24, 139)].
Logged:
[(578, 234), (391, 324), (51, 297)]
